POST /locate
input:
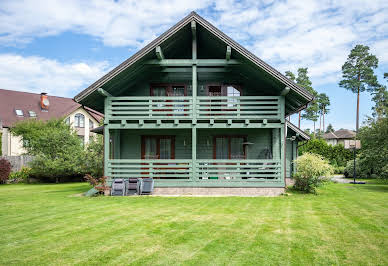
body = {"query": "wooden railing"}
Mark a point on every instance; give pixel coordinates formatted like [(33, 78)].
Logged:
[(204, 170), (238, 107), (183, 108), (157, 169), (135, 108), (257, 170)]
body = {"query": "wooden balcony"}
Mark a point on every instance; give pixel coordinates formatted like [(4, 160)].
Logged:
[(203, 172), (193, 109)]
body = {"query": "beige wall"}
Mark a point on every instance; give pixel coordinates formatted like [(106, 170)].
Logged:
[(86, 130), (12, 145)]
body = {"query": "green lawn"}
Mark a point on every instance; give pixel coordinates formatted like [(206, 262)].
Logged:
[(51, 224)]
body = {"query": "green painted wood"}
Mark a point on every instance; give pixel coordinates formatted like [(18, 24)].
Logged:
[(190, 62), (106, 139), (207, 125), (159, 53), (228, 52), (194, 150), (103, 92)]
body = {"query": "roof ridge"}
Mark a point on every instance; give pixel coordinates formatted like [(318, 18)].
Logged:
[(212, 29)]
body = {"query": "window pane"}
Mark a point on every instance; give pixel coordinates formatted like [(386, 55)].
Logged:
[(150, 148), (79, 120), (165, 148), (178, 91), (232, 91), (222, 148), (159, 91), (91, 125), (237, 148)]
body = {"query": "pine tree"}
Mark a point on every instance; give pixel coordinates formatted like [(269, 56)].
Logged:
[(329, 128), (323, 104), (380, 97), (358, 75)]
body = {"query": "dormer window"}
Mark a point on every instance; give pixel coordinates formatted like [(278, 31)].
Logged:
[(32, 113), (19, 112)]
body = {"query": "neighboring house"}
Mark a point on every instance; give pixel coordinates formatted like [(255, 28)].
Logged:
[(200, 114), (16, 106), (339, 136)]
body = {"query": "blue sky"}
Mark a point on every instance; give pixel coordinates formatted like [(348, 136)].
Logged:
[(61, 47)]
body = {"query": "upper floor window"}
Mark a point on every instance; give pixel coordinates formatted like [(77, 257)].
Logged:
[(32, 113), (79, 120), (19, 112), (91, 124), (233, 91), (67, 121)]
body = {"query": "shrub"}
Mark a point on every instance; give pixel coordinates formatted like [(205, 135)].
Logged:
[(5, 170), (94, 157), (362, 170), (336, 155), (311, 172), (339, 170), (57, 149), (21, 176), (98, 183)]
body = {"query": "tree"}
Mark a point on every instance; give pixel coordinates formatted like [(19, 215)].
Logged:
[(56, 147), (358, 75), (329, 128), (374, 150), (323, 104), (303, 80), (380, 97)]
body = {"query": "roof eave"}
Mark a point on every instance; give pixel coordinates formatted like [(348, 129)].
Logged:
[(194, 16)]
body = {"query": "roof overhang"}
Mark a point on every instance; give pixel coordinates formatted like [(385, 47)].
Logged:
[(299, 133), (302, 95)]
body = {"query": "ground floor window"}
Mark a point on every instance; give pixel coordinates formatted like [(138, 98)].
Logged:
[(229, 147), (158, 147)]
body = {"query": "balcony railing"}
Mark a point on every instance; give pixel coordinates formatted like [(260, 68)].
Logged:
[(205, 108), (238, 107), (256, 170), (150, 108), (203, 170), (157, 169)]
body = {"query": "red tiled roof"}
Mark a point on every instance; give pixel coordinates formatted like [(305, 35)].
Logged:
[(26, 101)]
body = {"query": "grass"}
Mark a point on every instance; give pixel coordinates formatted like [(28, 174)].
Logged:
[(50, 224)]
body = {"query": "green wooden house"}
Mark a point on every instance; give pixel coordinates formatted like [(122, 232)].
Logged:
[(200, 114)]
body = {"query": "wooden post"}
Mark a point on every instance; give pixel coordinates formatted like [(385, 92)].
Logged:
[(106, 136), (193, 152)]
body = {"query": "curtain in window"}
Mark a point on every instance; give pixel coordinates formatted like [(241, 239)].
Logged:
[(150, 148), (237, 148), (222, 148), (165, 148)]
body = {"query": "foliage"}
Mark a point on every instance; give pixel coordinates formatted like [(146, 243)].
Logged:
[(357, 71), (98, 183), (337, 155), (329, 128), (380, 98), (21, 176), (374, 150), (362, 169), (5, 170), (311, 170), (339, 169), (56, 147), (93, 158)]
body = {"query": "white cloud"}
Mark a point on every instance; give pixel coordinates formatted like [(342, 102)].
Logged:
[(38, 74)]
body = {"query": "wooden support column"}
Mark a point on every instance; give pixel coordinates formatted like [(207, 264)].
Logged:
[(283, 134), (194, 90), (194, 66), (194, 152), (106, 136)]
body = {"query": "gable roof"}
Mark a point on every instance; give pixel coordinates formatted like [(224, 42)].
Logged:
[(26, 101), (340, 134), (193, 16)]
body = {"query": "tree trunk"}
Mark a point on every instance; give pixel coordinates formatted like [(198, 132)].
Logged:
[(320, 124), (358, 109), (314, 129), (323, 119), (299, 120)]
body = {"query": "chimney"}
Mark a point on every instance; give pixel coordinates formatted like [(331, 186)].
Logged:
[(44, 101)]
